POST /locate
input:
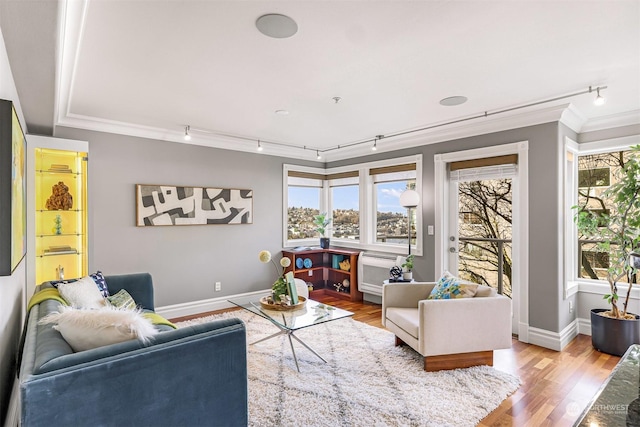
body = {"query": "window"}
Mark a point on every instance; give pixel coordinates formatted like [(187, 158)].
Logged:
[(345, 202), (303, 203), (362, 200)]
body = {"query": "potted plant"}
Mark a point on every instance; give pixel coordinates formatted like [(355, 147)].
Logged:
[(613, 330), (407, 268), (322, 222), (279, 288)]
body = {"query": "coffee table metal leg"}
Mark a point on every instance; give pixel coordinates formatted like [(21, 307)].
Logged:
[(308, 348), (282, 331), (295, 359)]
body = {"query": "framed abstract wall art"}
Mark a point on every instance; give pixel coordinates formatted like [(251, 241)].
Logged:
[(174, 205), (13, 201)]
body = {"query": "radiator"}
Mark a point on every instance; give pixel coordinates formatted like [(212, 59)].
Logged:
[(373, 270)]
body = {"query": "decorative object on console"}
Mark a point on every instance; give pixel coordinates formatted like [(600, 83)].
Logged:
[(60, 198), (345, 265), (173, 205), (280, 288), (395, 273), (57, 228), (307, 263), (321, 221), (408, 268)]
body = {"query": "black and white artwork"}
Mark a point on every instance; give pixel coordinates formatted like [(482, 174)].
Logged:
[(172, 205)]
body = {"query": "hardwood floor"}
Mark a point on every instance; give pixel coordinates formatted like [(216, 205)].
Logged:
[(556, 386)]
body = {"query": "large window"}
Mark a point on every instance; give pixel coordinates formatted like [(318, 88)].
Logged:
[(303, 203), (363, 201), (392, 225), (596, 172)]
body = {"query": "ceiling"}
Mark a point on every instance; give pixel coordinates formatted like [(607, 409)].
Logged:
[(149, 68)]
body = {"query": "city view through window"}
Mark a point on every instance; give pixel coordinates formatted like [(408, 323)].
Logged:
[(391, 217)]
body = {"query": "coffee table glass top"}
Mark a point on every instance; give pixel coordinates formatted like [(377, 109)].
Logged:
[(312, 313)]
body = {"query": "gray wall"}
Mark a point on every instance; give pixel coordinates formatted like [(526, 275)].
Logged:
[(185, 261), (544, 285)]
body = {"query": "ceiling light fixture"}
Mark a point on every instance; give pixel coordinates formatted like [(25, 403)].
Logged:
[(318, 156), (336, 99), (187, 137), (276, 26), (375, 142), (259, 146), (599, 98), (282, 112), (453, 100)]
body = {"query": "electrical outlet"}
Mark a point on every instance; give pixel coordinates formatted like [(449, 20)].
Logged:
[(570, 306), (218, 286), (430, 230)]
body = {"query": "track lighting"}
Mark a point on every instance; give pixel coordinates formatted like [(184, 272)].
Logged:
[(259, 146), (375, 142), (187, 137), (318, 156), (599, 98)]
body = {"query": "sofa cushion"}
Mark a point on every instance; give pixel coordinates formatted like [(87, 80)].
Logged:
[(82, 293), (123, 300), (405, 318), (97, 277), (485, 291), (451, 287), (86, 329)]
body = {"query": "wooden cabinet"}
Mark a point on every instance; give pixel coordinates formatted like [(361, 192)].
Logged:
[(330, 271)]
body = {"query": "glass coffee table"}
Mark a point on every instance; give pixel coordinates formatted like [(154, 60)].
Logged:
[(289, 321)]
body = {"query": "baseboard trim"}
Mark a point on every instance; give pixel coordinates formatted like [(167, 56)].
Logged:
[(203, 306), (584, 326), (13, 411), (553, 340)]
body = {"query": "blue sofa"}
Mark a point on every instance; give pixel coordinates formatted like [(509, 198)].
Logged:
[(192, 376)]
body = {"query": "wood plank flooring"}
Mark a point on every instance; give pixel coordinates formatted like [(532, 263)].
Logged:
[(556, 386)]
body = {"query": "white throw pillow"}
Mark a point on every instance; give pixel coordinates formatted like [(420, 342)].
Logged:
[(87, 329), (83, 293)]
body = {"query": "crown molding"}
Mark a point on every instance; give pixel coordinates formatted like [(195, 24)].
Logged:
[(628, 118)]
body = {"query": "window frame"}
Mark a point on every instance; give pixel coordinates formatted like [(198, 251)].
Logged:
[(367, 205), (573, 282)]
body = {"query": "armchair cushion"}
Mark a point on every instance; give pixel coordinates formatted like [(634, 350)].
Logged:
[(450, 287), (405, 318)]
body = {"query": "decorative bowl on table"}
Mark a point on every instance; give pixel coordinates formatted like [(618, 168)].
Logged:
[(299, 263), (307, 263), (268, 303)]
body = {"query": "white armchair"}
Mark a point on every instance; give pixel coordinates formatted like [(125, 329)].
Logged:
[(448, 333)]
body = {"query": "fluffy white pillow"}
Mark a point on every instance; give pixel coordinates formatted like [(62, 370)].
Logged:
[(87, 329), (83, 293)]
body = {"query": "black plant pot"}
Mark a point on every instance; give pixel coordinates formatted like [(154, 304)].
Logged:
[(613, 336), (324, 242)]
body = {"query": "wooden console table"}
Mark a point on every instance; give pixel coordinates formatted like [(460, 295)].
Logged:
[(320, 267)]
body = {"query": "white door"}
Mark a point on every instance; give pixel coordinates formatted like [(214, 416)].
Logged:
[(480, 228)]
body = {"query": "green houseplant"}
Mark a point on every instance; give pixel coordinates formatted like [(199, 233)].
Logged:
[(618, 235), (321, 221), (407, 265)]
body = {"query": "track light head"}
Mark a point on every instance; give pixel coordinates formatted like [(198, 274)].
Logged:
[(318, 156), (187, 137), (259, 146), (599, 98)]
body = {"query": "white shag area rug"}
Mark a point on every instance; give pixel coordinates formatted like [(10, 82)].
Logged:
[(368, 381)]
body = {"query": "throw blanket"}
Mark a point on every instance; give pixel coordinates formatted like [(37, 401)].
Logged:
[(52, 293)]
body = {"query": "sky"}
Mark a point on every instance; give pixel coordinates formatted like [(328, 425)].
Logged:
[(347, 197)]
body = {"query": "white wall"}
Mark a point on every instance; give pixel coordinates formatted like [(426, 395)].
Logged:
[(11, 287)]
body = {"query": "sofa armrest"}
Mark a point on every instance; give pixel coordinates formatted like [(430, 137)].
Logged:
[(200, 370), (403, 295), (465, 325), (138, 285)]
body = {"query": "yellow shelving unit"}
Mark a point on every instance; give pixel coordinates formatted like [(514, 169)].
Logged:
[(60, 226)]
